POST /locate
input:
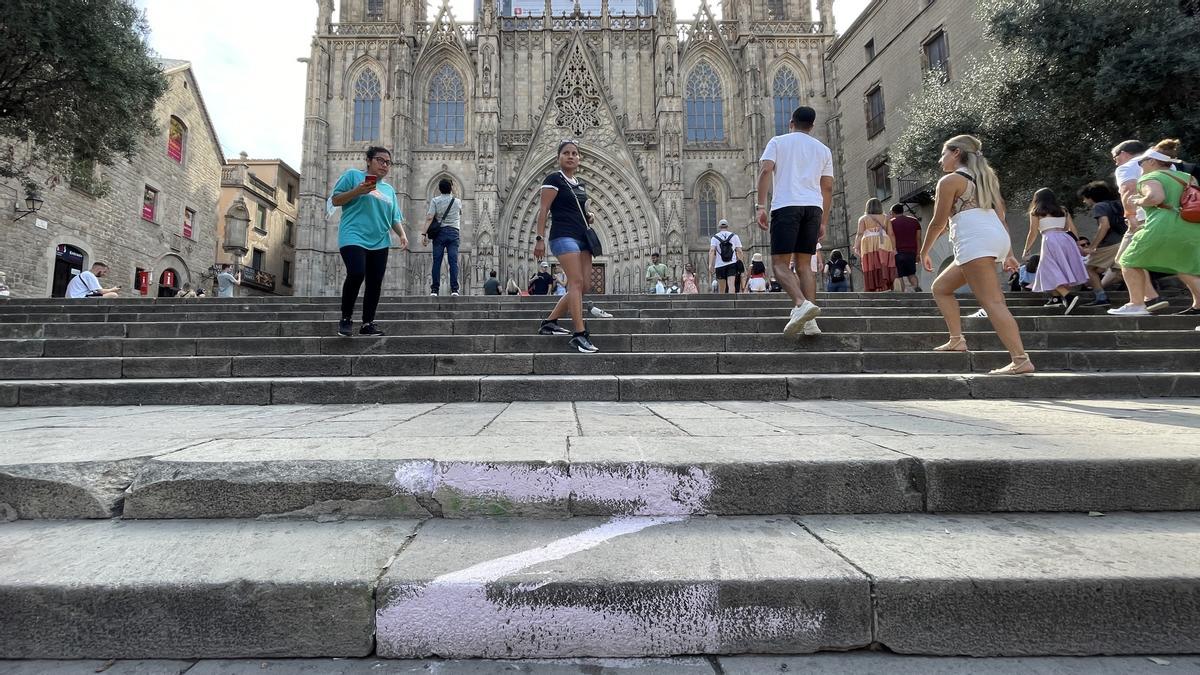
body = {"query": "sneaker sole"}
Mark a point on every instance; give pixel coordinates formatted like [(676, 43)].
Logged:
[(1163, 304), (796, 325)]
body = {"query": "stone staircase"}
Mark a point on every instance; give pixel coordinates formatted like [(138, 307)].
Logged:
[(284, 350), (405, 497)]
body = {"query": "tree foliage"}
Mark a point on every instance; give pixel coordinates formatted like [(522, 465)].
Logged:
[(1066, 81), (77, 84)]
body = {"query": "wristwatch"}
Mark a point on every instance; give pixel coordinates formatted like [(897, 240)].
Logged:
[(759, 206), (538, 238)]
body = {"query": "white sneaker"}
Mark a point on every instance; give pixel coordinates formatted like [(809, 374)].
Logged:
[(599, 313), (800, 316), (981, 314), (1130, 309), (454, 294), (811, 328), (433, 295)]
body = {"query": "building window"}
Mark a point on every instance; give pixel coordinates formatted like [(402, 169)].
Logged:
[(787, 98), (881, 181), (706, 206), (258, 259), (367, 96), (176, 138), (289, 233), (287, 273), (870, 49), (188, 217), (291, 193), (776, 10), (936, 53), (374, 10), (705, 105), (874, 111), (260, 219), (447, 107), (149, 204)]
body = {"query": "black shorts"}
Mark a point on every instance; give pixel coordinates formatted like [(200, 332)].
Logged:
[(730, 270), (906, 264), (795, 229)]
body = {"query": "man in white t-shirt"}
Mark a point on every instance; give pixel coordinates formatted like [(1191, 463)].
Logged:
[(797, 171), (87, 284), (725, 270), (1127, 174)]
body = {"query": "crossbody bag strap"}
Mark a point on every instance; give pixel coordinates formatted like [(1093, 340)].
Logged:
[(448, 207)]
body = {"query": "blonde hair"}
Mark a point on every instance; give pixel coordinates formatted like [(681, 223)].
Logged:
[(1169, 147), (987, 185)]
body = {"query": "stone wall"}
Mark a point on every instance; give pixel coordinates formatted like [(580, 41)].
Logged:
[(111, 228)]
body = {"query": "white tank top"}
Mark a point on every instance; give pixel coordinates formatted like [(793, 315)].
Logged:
[(1049, 223)]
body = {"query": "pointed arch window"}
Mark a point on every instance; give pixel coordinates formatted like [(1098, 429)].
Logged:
[(786, 97), (706, 206), (776, 10), (447, 107), (367, 96), (705, 105), (374, 10)]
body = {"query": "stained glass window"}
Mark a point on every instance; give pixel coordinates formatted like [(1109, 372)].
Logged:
[(447, 107), (706, 203), (367, 95), (786, 93), (705, 105)]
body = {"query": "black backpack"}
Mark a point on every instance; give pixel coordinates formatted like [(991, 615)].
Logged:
[(725, 247)]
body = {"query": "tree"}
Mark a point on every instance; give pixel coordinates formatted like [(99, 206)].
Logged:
[(1066, 81), (78, 85)]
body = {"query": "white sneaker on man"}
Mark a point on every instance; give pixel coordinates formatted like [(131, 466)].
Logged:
[(801, 315), (454, 294), (811, 328), (599, 313), (1130, 309)]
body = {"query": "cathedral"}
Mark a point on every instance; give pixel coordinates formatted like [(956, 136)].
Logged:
[(670, 115)]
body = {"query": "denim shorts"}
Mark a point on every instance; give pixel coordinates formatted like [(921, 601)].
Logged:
[(563, 245)]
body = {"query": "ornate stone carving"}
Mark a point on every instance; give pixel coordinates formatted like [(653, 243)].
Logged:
[(577, 99)]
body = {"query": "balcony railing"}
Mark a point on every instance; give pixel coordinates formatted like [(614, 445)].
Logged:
[(915, 190)]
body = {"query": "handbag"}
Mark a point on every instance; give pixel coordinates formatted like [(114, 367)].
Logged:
[(1189, 201), (593, 239), (435, 225)]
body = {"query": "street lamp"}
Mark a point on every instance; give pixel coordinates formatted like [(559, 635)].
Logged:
[(33, 202)]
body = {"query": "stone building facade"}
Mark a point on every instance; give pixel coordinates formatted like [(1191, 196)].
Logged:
[(156, 221), (875, 67), (270, 191), (671, 117)]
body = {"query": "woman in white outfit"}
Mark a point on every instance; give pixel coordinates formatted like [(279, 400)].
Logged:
[(968, 200)]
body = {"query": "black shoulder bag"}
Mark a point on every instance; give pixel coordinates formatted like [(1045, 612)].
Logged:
[(435, 225), (593, 239)]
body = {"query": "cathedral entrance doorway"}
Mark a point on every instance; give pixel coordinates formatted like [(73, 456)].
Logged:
[(596, 285)]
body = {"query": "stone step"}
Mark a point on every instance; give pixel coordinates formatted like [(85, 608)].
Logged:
[(507, 388), (571, 362), (528, 315), (559, 474), (977, 585), (723, 325), (609, 343)]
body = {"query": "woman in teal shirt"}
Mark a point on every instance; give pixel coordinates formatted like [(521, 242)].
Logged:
[(370, 212)]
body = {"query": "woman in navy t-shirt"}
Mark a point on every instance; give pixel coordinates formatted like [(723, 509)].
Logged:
[(564, 199)]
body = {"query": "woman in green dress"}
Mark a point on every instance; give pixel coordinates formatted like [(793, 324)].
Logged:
[(1168, 243)]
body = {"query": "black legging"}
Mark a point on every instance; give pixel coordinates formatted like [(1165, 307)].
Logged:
[(362, 264)]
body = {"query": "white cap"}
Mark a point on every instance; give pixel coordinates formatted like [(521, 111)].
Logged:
[(1154, 154), (723, 223), (545, 264)]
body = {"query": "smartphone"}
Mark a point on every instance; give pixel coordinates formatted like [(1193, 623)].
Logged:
[(371, 179)]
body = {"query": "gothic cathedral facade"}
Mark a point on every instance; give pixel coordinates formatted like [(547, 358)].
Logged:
[(670, 117)]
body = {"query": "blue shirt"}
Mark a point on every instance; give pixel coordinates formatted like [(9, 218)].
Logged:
[(367, 220)]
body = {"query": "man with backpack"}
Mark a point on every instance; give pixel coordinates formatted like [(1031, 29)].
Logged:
[(725, 258)]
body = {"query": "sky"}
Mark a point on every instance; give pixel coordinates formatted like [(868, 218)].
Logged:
[(244, 52)]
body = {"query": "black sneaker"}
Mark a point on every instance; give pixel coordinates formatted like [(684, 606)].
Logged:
[(1190, 311), (1069, 303), (1157, 304), (370, 329), (1097, 303), (917, 289), (345, 328), (583, 344), (1053, 302), (552, 328)]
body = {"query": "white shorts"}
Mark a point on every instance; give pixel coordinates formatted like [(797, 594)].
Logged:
[(978, 233)]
